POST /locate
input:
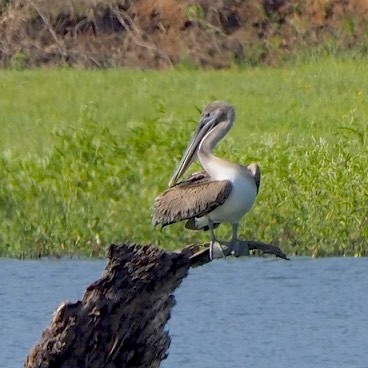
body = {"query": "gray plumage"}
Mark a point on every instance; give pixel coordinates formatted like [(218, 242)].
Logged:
[(256, 172)]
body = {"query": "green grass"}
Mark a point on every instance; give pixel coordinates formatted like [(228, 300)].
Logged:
[(83, 154)]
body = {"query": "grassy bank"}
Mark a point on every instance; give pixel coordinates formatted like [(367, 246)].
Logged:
[(83, 154)]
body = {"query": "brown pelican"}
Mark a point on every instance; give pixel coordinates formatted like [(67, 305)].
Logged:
[(223, 192)]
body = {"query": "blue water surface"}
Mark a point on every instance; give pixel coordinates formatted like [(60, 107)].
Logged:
[(230, 313)]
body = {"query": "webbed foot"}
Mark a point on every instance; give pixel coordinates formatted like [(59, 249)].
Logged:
[(238, 248), (216, 250)]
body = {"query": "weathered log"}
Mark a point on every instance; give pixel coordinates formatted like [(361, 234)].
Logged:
[(199, 255), (120, 321)]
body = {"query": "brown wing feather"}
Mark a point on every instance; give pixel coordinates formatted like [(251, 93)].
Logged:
[(194, 197)]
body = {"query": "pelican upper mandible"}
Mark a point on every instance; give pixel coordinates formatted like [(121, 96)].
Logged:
[(223, 192)]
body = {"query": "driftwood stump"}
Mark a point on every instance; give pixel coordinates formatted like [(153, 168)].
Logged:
[(120, 321)]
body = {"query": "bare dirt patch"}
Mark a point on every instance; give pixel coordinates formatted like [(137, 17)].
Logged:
[(163, 33)]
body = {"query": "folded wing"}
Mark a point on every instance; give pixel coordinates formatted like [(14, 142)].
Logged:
[(195, 197)]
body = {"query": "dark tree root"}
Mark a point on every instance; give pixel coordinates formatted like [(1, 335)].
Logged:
[(120, 321)]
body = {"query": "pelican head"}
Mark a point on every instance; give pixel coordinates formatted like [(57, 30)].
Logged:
[(217, 113)]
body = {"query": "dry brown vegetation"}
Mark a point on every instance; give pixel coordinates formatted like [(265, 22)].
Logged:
[(162, 33)]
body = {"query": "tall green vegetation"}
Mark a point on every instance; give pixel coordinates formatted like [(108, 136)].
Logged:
[(83, 154)]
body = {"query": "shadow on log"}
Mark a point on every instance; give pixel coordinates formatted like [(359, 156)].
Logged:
[(120, 322)]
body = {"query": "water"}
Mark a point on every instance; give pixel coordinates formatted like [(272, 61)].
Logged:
[(30, 291), (229, 313)]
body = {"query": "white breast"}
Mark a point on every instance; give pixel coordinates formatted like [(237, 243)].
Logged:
[(243, 193)]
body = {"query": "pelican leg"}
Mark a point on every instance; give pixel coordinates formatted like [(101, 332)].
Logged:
[(215, 247), (237, 247)]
